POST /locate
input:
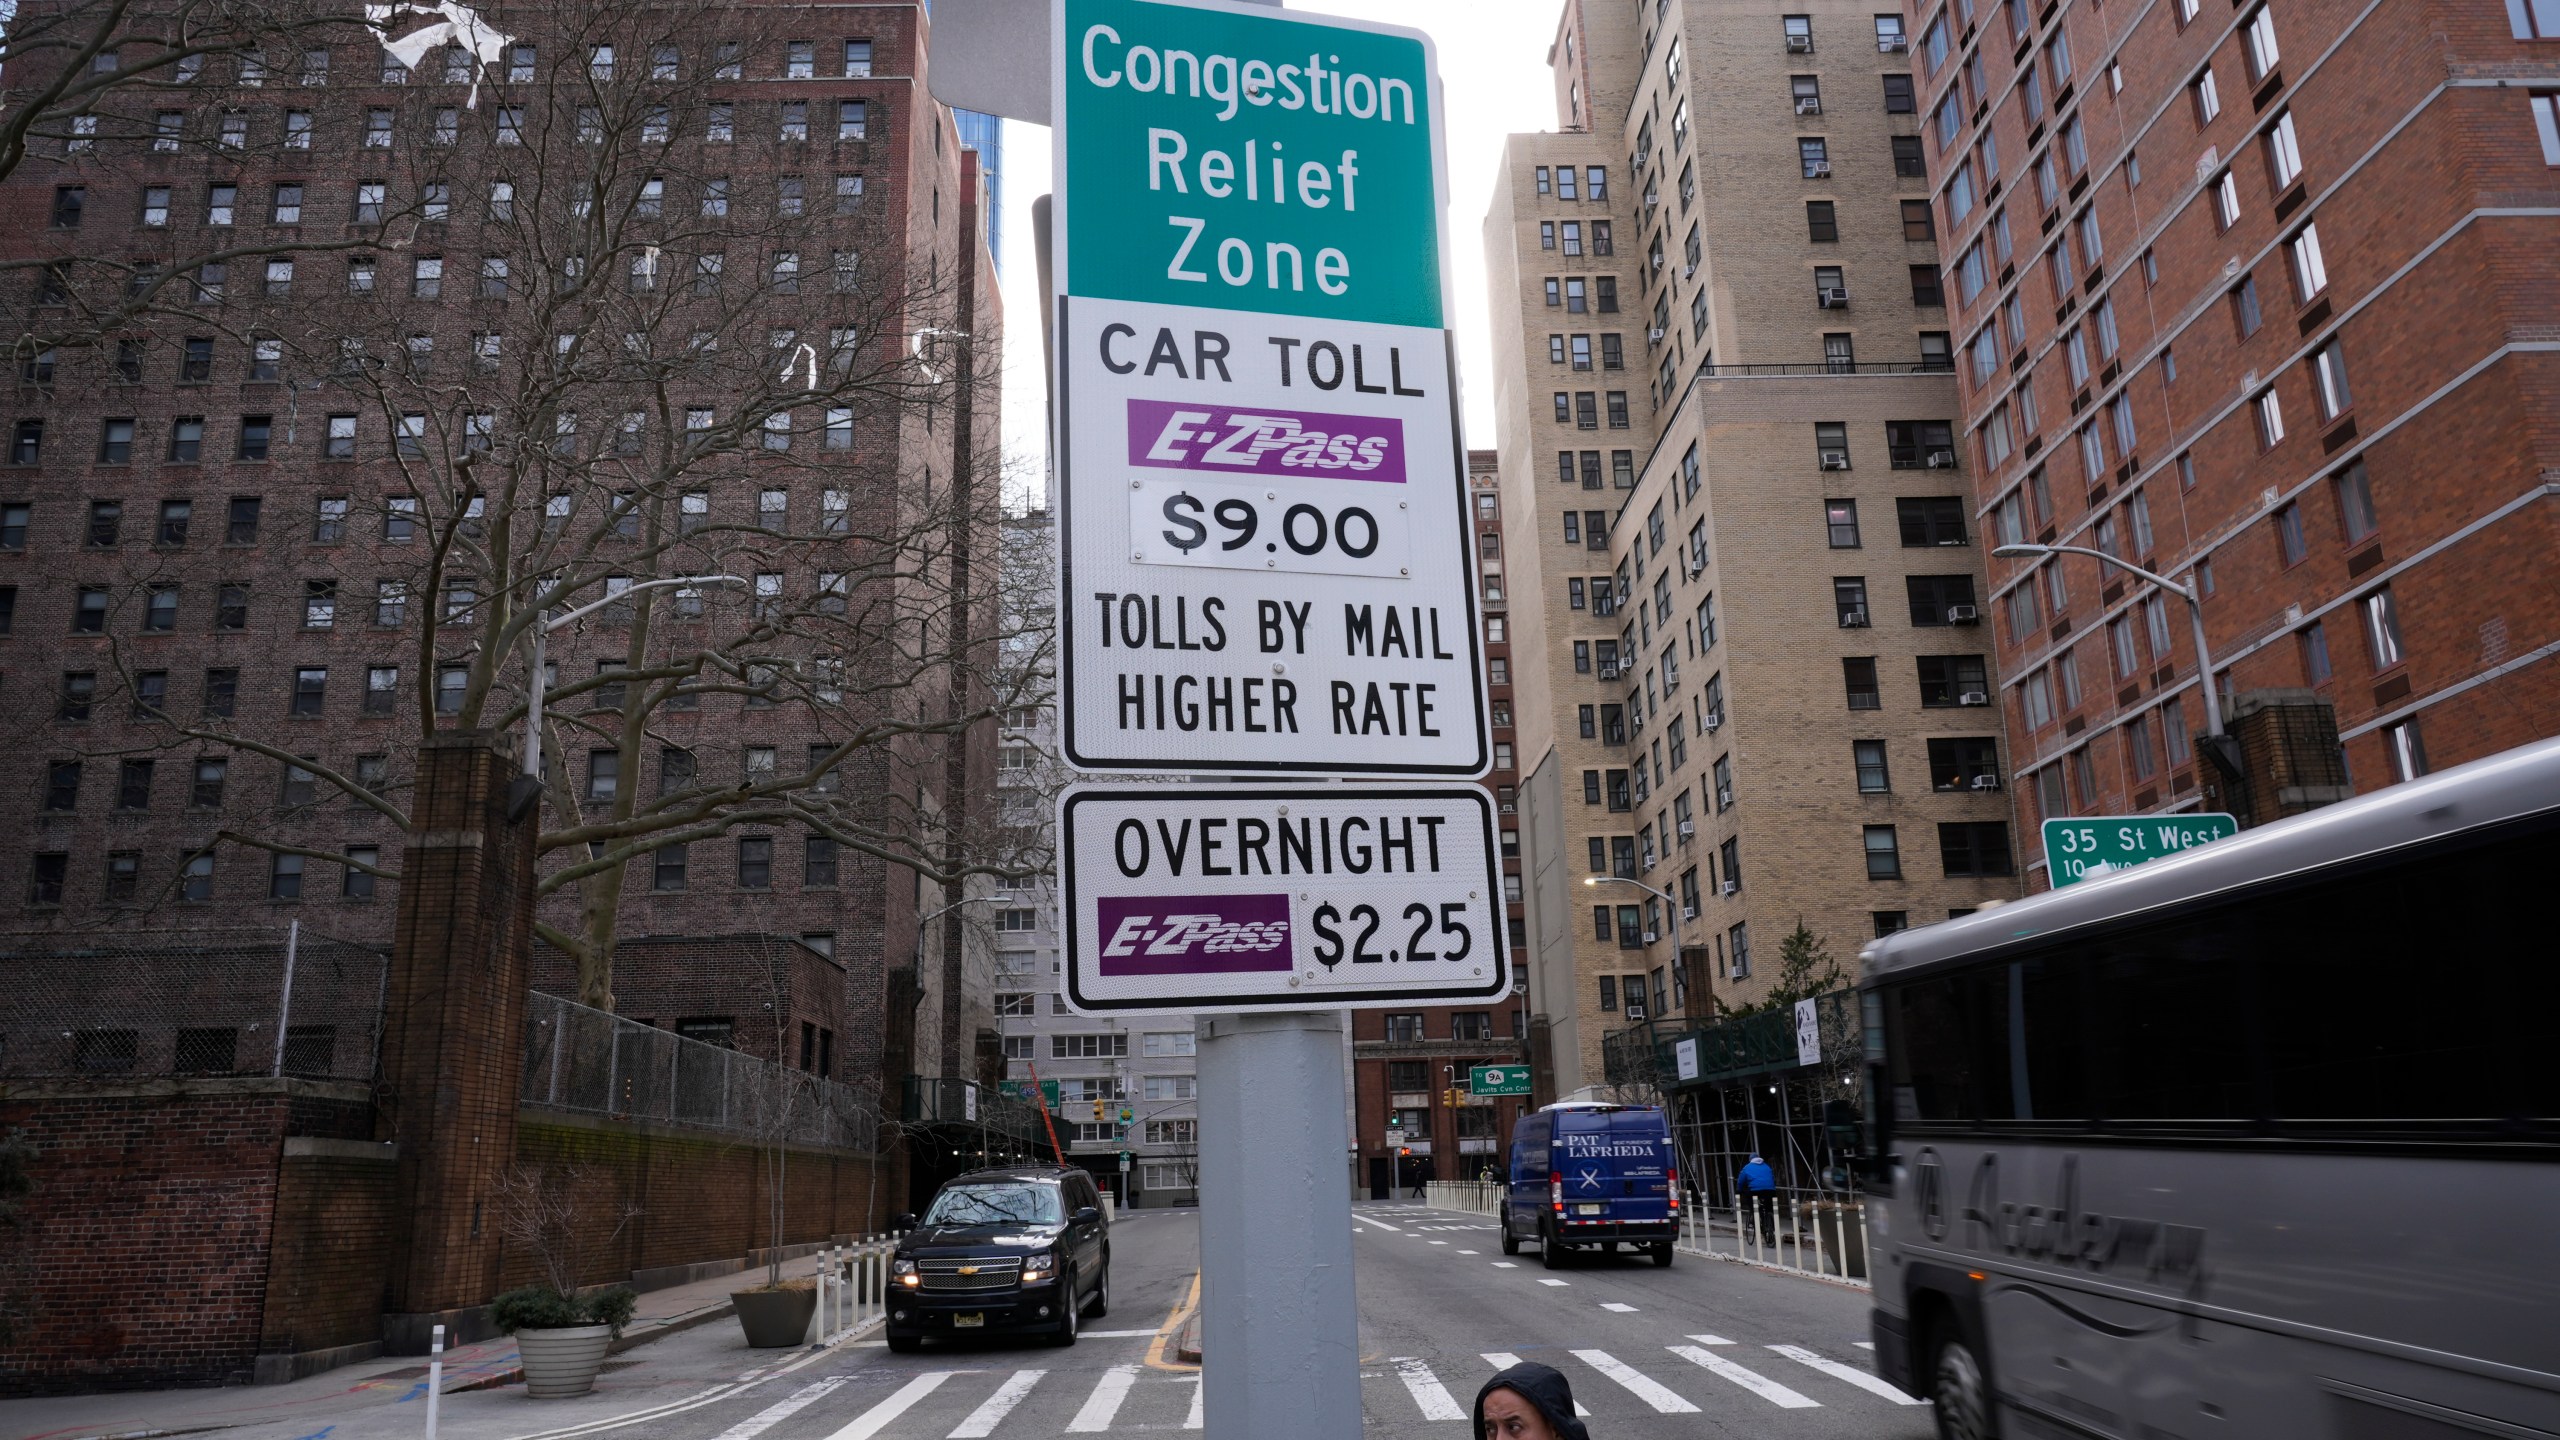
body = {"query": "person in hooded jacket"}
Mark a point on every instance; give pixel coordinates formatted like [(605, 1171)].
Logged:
[(1529, 1401), (1758, 1185)]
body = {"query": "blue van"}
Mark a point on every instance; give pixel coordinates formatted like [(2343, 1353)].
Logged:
[(1592, 1175)]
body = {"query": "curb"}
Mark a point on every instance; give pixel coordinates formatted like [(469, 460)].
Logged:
[(628, 1340), (1187, 1345)]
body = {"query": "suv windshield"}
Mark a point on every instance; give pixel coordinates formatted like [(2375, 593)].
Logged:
[(995, 1205)]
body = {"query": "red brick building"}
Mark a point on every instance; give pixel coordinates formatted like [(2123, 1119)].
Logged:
[(1404, 1063), (2259, 297), (300, 350)]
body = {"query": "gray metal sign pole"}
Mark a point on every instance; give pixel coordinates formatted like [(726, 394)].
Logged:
[(1280, 1334)]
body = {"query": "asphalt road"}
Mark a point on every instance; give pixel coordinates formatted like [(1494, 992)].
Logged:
[(1702, 1349)]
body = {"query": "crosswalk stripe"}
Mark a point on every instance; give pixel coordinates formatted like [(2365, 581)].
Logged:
[(1751, 1380), (1104, 1402), (1846, 1373), (1865, 1344), (872, 1421), (1711, 1339), (1199, 1416), (1644, 1388), (1504, 1360), (989, 1414), (1623, 1309), (781, 1410), (1427, 1391), (1381, 1224)]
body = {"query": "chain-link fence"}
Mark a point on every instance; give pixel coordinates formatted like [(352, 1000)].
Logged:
[(141, 1004), (597, 1063)]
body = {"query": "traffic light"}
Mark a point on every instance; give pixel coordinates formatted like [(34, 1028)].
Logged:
[(1097, 1111)]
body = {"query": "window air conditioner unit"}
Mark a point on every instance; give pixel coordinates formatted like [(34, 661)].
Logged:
[(1963, 615), (1985, 782), (1833, 297), (1940, 460), (1608, 671), (1715, 719), (1657, 260), (1853, 619), (1808, 104), (1818, 170), (1635, 1010), (1688, 828), (1973, 697), (1799, 44), (1892, 44), (1641, 157), (1653, 335), (1724, 799), (1688, 912), (1733, 887), (1651, 936), (1835, 459)]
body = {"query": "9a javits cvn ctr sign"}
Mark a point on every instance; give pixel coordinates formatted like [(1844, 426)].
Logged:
[(1264, 546)]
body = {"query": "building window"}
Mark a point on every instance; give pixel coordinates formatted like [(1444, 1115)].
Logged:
[(1872, 776), (2408, 753), (2382, 629), (755, 862), (1840, 519), (1859, 675), (1884, 856)]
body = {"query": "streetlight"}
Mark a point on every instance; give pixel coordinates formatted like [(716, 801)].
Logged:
[(535, 684), (1679, 963), (2188, 592)]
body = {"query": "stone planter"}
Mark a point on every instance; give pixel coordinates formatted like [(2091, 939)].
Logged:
[(775, 1318), (562, 1363)]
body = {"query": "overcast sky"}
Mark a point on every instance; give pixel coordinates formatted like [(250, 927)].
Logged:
[(1493, 71)]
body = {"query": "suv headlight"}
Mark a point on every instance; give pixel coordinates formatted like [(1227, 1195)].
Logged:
[(1038, 1266), (905, 1271)]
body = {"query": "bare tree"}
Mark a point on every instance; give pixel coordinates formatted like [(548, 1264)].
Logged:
[(598, 360)]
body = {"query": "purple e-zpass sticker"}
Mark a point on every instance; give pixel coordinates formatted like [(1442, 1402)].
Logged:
[(1226, 440), (1192, 934)]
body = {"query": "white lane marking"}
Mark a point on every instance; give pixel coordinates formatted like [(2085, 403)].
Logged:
[(1751, 1380), (1104, 1402), (1644, 1388), (1199, 1416), (1711, 1339), (1545, 1281), (1439, 1242), (990, 1413), (781, 1410), (1121, 1334), (872, 1421), (1620, 1308), (1381, 1224), (1427, 1390), (1864, 1344), (1849, 1374), (1470, 1252), (1506, 1265), (1504, 1360)]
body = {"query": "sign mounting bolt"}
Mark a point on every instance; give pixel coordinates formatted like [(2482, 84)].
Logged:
[(1278, 668), (1404, 570), (1137, 484)]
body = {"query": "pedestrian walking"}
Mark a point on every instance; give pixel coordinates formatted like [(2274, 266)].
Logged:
[(1529, 1401), (1758, 1186)]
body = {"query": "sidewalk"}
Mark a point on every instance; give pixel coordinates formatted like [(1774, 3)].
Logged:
[(681, 1341)]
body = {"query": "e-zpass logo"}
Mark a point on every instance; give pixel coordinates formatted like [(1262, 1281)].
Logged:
[(1218, 440), (1192, 934)]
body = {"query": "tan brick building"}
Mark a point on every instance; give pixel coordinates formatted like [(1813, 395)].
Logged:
[(1766, 692), (2258, 297)]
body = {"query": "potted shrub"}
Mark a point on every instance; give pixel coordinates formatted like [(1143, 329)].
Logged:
[(561, 1338), (776, 1313), (554, 1214)]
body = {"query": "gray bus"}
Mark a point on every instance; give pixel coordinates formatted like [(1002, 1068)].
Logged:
[(2262, 1139)]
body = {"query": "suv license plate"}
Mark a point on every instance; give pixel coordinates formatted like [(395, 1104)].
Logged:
[(1590, 1209), (968, 1322)]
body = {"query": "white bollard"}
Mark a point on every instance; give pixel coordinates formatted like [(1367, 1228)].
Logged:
[(435, 1378)]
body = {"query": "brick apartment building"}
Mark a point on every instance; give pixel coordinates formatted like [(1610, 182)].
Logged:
[(1755, 692), (2259, 297), (1405, 1063), (431, 299)]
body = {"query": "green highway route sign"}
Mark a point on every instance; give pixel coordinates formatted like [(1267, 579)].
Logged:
[(2091, 846), (1498, 1079)]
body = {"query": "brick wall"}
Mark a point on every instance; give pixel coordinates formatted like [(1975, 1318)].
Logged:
[(333, 1216)]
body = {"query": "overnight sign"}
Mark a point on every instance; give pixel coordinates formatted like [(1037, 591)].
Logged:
[(1265, 560), (1228, 898)]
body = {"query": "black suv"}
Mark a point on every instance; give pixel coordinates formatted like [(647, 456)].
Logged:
[(1017, 1249)]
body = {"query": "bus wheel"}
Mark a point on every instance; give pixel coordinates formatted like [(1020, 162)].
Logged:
[(1510, 1242), (1957, 1393)]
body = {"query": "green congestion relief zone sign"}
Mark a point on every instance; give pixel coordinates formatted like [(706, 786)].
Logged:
[(1265, 556), (2087, 848), (1498, 1079)]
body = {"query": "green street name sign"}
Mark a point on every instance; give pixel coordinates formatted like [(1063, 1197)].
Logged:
[(2087, 848), (1498, 1079), (1243, 158)]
